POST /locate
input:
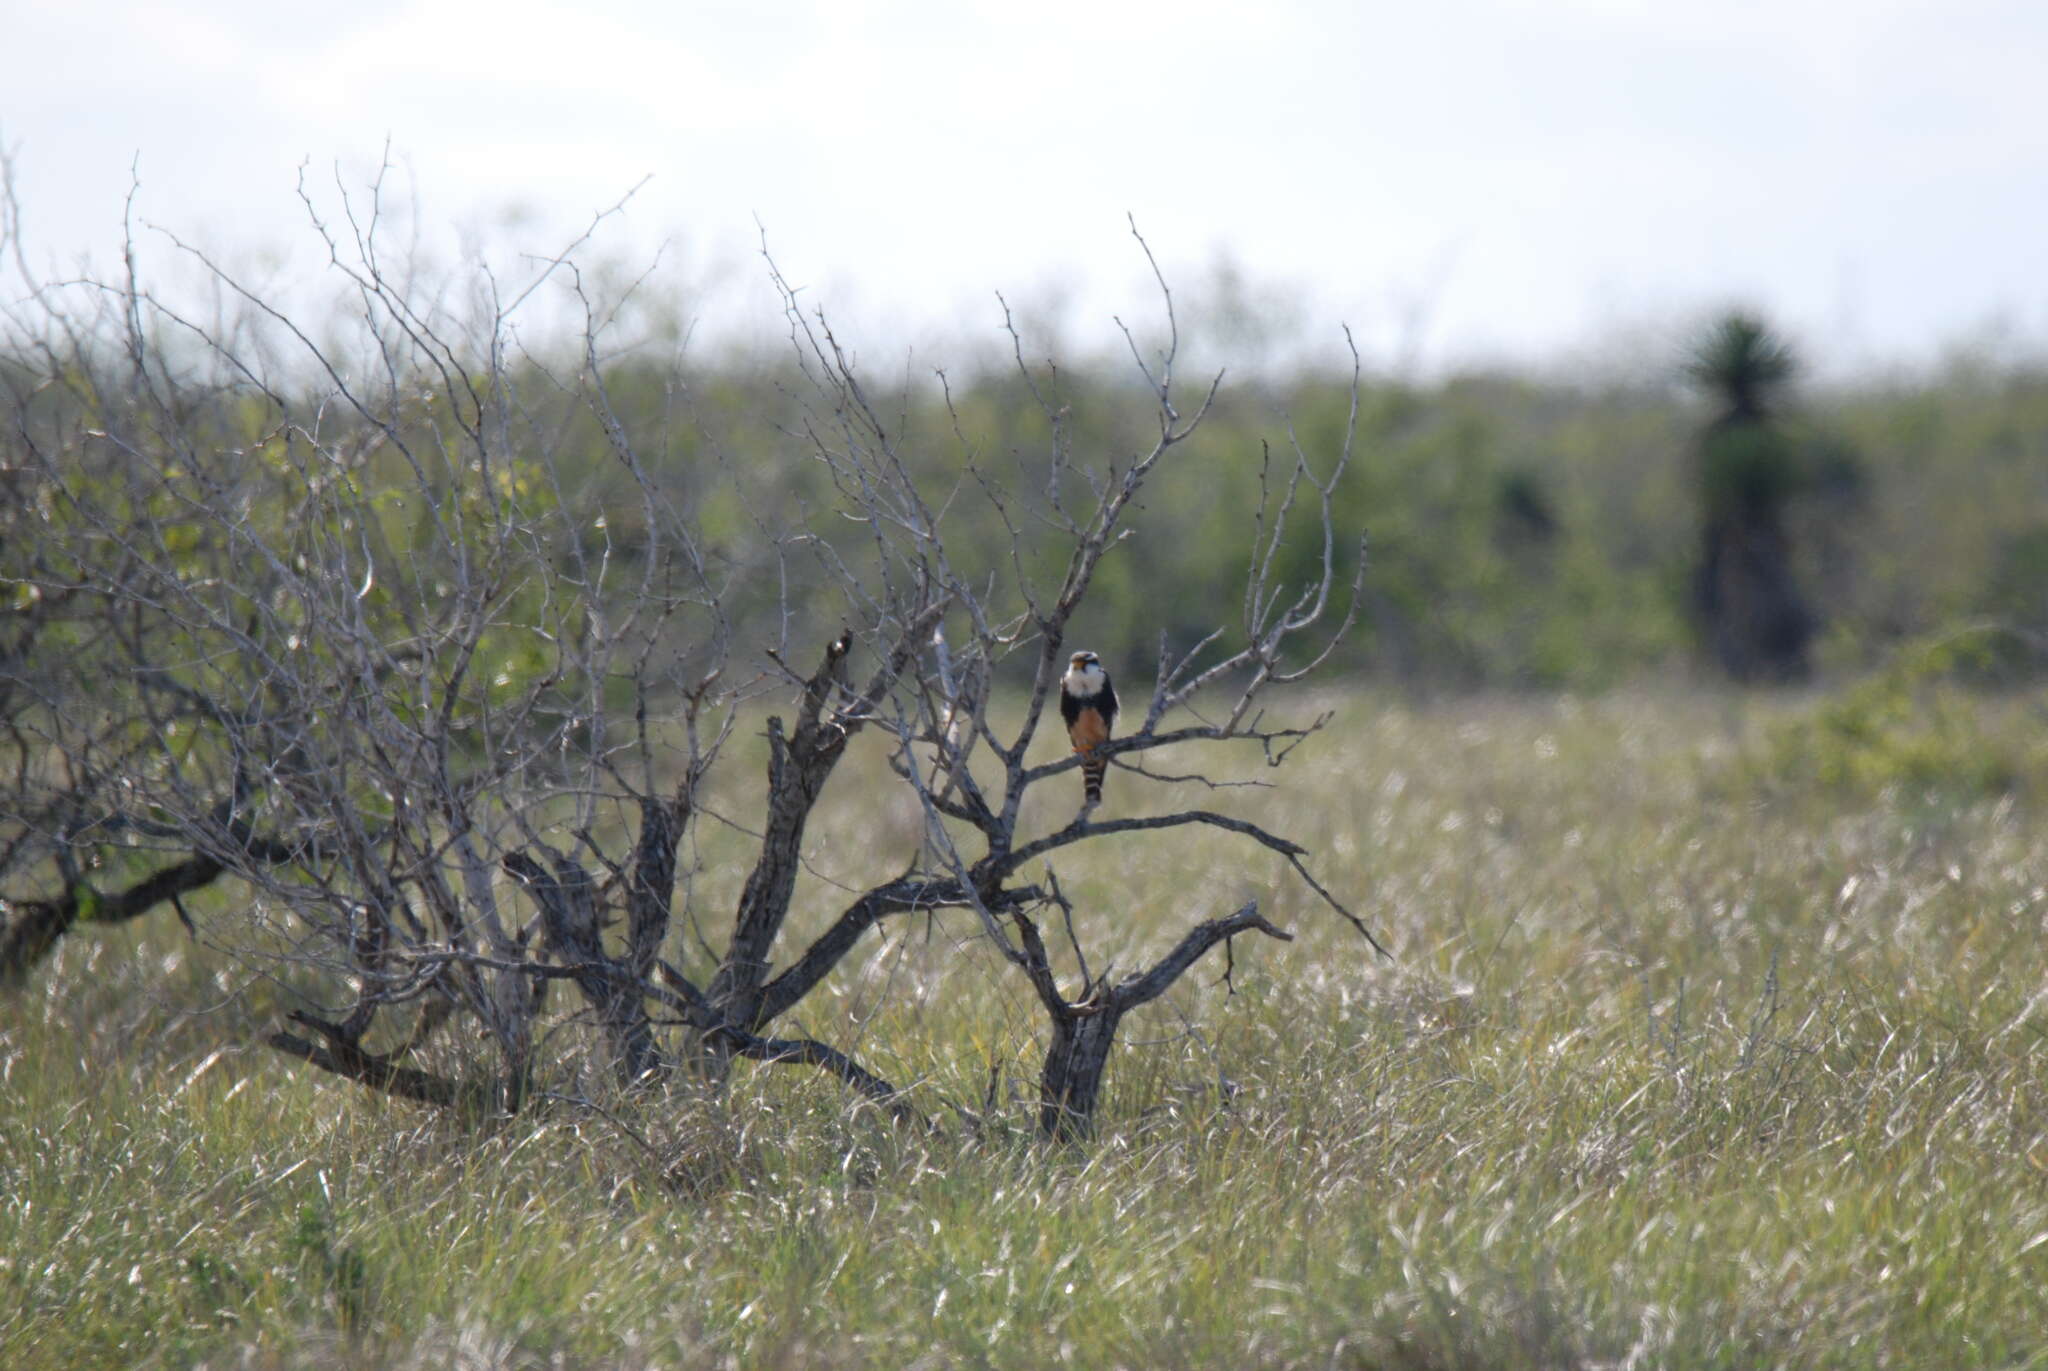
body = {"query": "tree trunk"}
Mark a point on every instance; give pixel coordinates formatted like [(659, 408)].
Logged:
[(1756, 620), (27, 934), (1072, 1079), (568, 905)]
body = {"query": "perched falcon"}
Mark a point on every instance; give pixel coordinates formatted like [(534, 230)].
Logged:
[(1088, 704)]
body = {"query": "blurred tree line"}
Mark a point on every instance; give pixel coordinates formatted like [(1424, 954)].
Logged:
[(1524, 531)]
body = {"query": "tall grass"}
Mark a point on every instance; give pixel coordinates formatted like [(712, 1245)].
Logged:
[(1686, 1061)]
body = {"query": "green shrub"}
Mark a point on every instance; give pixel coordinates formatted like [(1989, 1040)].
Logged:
[(1918, 728)]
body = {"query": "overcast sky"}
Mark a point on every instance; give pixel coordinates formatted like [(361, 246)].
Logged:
[(1467, 180)]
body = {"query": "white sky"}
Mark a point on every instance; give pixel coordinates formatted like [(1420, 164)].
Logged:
[(1470, 179)]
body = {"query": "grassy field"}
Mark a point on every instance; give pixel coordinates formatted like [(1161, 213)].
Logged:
[(1693, 1054)]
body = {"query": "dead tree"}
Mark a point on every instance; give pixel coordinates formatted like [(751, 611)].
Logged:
[(973, 784), (398, 635)]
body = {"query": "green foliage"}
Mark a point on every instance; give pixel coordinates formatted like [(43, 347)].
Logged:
[(1748, 467), (1916, 728), (1522, 531), (1743, 365), (2016, 591)]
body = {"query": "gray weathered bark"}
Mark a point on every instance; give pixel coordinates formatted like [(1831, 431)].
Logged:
[(1084, 1032)]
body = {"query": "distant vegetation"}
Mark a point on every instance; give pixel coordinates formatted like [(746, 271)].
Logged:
[(1523, 531), (1751, 467)]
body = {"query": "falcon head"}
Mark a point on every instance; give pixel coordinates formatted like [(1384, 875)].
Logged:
[(1085, 675)]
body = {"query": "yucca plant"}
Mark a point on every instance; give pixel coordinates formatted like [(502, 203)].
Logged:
[(1751, 613)]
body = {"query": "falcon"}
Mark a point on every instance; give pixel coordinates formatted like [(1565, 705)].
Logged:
[(1088, 704)]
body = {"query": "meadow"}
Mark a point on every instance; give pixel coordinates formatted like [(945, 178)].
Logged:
[(1711, 1033), (1713, 1037)]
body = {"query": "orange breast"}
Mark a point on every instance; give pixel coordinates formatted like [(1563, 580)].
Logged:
[(1088, 729)]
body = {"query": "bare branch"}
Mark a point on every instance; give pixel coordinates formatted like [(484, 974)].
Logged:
[(342, 1057), (372, 613), (1083, 828), (906, 894), (809, 1053), (1199, 939)]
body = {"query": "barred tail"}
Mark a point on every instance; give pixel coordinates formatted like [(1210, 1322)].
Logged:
[(1093, 766)]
